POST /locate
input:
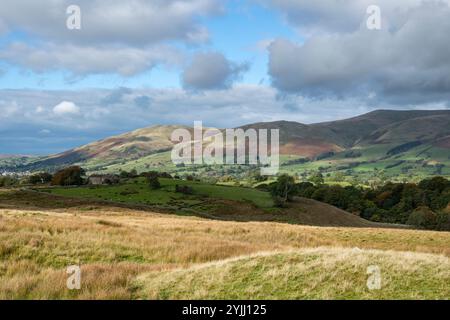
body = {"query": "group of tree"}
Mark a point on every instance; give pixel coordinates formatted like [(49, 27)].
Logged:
[(70, 176), (40, 178), (153, 180), (424, 205), (8, 181), (283, 190), (128, 175), (188, 190)]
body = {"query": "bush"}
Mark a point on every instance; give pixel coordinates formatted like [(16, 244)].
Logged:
[(438, 184), (40, 178), (263, 187), (153, 181), (71, 176), (283, 190), (443, 220), (423, 217), (317, 179), (184, 189), (8, 181), (165, 175), (124, 175), (368, 213), (133, 173)]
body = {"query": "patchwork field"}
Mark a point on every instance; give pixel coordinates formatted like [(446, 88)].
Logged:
[(134, 253)]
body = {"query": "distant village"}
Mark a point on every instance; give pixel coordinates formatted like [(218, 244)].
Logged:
[(13, 178), (15, 174)]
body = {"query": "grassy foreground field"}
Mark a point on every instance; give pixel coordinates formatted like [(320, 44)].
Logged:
[(321, 273), (133, 254)]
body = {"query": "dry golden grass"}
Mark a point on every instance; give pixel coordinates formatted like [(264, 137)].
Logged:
[(115, 245), (320, 273)]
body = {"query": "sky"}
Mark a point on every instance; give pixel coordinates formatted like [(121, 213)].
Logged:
[(138, 63)]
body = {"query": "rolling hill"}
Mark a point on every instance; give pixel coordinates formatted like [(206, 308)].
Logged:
[(319, 273), (396, 142), (207, 201)]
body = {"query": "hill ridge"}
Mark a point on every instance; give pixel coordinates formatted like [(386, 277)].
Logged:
[(380, 127)]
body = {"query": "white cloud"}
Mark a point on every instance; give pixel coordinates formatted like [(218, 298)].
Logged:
[(263, 45), (66, 108), (89, 60), (82, 117), (9, 109)]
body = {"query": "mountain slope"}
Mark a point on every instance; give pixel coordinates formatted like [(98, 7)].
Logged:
[(127, 146), (428, 128), (382, 126), (383, 136), (349, 132)]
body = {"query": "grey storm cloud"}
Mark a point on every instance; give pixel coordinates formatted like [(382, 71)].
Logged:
[(406, 65), (211, 70), (331, 16), (143, 101), (116, 96)]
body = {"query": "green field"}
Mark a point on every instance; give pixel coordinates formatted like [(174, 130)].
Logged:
[(137, 191), (370, 164), (366, 166)]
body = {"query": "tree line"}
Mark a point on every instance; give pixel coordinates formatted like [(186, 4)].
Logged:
[(424, 205)]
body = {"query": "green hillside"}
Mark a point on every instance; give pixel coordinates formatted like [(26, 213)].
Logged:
[(394, 145), (212, 201)]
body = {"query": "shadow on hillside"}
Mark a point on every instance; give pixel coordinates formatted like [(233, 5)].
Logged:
[(35, 200), (301, 212)]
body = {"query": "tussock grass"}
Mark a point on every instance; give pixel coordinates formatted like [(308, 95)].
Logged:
[(114, 246), (109, 223), (322, 273)]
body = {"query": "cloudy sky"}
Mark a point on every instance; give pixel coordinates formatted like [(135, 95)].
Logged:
[(138, 63)]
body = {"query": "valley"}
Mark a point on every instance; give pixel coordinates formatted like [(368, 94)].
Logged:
[(369, 149)]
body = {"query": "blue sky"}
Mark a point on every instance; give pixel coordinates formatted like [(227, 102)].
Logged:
[(236, 33), (228, 63)]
